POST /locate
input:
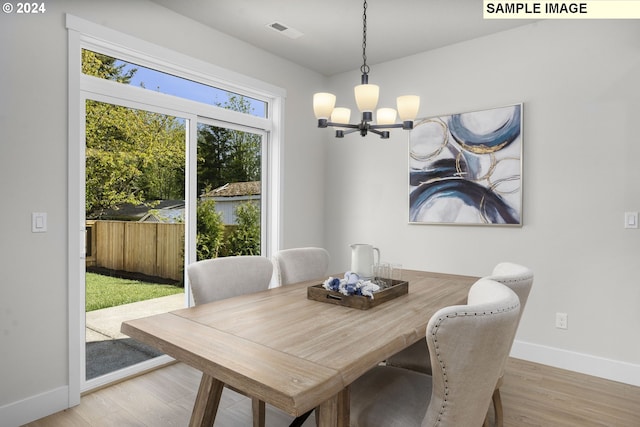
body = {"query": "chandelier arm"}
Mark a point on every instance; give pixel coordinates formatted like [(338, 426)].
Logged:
[(343, 125), (406, 125), (392, 126), (347, 132), (383, 134)]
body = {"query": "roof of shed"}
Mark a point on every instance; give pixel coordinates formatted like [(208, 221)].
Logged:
[(234, 189), (129, 212)]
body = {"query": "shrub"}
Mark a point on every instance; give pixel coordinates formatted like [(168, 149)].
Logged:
[(210, 228), (245, 238)]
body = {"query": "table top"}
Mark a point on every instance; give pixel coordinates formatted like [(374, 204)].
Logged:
[(292, 352)]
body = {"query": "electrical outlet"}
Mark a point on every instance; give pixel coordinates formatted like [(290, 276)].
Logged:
[(562, 320)]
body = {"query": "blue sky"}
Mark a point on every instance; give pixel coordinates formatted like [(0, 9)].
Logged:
[(172, 85)]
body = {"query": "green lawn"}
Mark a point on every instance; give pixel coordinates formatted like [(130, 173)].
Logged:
[(105, 291)]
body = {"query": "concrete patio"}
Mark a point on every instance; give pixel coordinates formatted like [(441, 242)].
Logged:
[(107, 349)]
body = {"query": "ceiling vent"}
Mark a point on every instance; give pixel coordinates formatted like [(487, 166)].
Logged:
[(285, 30)]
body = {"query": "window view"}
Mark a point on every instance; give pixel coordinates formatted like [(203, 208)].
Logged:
[(135, 174), (135, 164), (136, 75), (229, 189)]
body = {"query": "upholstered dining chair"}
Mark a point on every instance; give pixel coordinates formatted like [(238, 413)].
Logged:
[(416, 357), (467, 345), (221, 278), (300, 264), (519, 279)]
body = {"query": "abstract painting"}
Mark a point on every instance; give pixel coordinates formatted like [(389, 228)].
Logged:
[(466, 168)]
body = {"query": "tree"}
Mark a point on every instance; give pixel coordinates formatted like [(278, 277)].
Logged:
[(104, 67), (245, 238), (227, 155), (132, 156)]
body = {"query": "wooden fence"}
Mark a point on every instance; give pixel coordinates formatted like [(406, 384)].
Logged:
[(150, 248)]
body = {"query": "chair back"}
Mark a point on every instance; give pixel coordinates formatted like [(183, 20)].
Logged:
[(517, 278), (220, 278), (300, 264), (468, 345)]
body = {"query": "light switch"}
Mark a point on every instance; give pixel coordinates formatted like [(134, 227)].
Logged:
[(38, 222), (631, 220)]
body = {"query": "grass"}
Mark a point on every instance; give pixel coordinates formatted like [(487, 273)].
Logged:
[(105, 291)]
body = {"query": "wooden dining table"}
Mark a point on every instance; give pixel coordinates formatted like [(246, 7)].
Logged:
[(297, 354)]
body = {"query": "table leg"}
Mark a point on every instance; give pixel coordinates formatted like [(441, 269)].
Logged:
[(344, 407), (335, 411), (258, 411), (207, 400)]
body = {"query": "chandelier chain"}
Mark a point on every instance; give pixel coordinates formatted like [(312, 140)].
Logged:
[(364, 68)]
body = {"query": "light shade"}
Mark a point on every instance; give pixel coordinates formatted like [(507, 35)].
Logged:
[(341, 115), (323, 104), (408, 106), (385, 116), (367, 97)]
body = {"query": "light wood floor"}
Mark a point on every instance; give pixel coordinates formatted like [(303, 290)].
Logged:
[(532, 395)]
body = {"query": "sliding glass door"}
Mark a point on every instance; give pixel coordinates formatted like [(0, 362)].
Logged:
[(171, 160), (135, 214)]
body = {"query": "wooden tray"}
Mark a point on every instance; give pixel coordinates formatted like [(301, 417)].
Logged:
[(318, 293)]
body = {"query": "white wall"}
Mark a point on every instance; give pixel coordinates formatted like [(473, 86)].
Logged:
[(579, 84), (33, 176)]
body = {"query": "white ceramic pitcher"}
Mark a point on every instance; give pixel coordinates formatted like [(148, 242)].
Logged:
[(362, 259)]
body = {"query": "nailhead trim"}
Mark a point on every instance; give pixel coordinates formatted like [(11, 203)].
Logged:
[(437, 348)]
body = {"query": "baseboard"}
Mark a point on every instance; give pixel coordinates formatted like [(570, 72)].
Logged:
[(623, 372), (35, 407)]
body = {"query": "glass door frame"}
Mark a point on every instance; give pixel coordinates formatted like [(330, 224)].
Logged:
[(265, 191), (86, 385), (85, 34)]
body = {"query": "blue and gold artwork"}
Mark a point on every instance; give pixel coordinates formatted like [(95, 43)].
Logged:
[(467, 168)]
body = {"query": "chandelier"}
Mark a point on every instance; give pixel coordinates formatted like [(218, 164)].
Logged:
[(367, 99)]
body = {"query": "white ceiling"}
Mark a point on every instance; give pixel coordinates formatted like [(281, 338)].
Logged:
[(332, 29)]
